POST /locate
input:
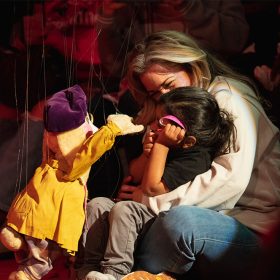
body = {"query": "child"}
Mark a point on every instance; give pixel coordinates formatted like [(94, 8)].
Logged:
[(189, 131), (48, 215)]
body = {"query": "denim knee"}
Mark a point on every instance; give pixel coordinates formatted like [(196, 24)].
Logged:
[(182, 219), (190, 234)]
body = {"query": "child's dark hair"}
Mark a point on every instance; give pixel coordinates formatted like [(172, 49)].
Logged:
[(202, 117)]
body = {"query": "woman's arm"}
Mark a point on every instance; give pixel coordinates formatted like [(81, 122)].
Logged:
[(152, 184), (137, 166)]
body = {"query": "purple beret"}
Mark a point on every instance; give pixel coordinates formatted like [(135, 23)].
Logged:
[(65, 110)]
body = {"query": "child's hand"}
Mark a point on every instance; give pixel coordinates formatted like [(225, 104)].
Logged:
[(171, 135), (148, 142)]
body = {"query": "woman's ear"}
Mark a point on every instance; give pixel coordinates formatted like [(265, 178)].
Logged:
[(189, 142)]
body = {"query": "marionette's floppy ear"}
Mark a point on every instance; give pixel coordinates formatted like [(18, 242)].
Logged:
[(125, 124)]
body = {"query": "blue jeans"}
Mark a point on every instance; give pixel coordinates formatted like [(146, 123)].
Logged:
[(198, 242)]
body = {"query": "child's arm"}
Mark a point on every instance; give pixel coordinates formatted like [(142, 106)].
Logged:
[(152, 183), (137, 165)]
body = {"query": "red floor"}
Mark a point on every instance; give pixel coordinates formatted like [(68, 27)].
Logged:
[(60, 271)]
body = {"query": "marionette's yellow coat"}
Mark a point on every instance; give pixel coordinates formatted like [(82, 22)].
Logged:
[(52, 206)]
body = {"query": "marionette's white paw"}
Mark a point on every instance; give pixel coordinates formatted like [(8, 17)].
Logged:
[(19, 275), (11, 239), (125, 124)]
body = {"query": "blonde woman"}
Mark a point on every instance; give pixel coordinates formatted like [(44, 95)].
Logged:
[(213, 225)]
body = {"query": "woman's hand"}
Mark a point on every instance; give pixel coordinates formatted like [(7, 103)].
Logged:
[(126, 190)]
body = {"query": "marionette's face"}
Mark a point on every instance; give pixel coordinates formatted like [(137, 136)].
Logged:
[(159, 80), (68, 143), (69, 140)]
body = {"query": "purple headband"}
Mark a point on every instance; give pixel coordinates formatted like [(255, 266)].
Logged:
[(171, 118)]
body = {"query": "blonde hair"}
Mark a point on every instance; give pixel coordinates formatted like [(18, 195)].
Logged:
[(174, 50)]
